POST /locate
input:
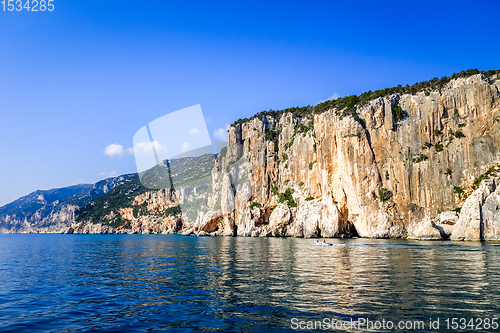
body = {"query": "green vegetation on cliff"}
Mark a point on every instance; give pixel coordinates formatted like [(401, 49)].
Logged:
[(285, 197), (384, 194), (188, 172), (295, 111), (398, 113), (254, 204), (478, 180), (104, 209), (172, 211), (419, 158)]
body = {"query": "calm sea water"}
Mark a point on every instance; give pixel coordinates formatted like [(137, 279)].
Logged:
[(128, 283)]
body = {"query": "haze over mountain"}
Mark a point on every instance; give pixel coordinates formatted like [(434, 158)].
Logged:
[(51, 210)]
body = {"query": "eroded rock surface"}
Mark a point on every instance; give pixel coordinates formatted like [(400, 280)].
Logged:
[(367, 173)]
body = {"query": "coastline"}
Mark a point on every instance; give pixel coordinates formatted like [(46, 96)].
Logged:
[(190, 233), (398, 164)]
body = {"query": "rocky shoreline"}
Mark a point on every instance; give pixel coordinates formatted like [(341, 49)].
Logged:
[(478, 220)]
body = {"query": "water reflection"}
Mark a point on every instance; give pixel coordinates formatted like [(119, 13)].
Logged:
[(143, 282)]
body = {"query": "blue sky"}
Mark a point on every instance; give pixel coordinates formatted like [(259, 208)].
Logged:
[(91, 73)]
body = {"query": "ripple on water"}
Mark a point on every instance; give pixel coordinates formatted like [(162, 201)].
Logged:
[(62, 283)]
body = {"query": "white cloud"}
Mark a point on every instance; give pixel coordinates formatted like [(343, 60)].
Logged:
[(221, 133), (144, 148), (160, 148), (334, 96), (115, 150), (141, 148), (185, 146), (194, 131), (108, 174)]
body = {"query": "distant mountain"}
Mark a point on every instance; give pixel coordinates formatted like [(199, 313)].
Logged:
[(56, 209), (100, 188), (50, 210), (29, 205)]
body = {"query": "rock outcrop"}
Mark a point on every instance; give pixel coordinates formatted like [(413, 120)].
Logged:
[(342, 165), (479, 215), (397, 166), (51, 211)]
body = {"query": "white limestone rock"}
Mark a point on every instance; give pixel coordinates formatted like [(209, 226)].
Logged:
[(468, 226)]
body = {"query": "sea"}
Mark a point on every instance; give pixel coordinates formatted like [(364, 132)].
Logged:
[(173, 283)]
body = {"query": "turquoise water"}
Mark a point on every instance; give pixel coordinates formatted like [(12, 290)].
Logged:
[(130, 283)]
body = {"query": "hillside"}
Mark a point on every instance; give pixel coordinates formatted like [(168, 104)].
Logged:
[(163, 185), (50, 210)]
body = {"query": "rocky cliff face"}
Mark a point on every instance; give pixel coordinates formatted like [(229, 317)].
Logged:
[(51, 210), (374, 178), (397, 166)]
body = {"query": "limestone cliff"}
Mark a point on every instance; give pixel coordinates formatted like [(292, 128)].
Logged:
[(393, 166), (337, 168)]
